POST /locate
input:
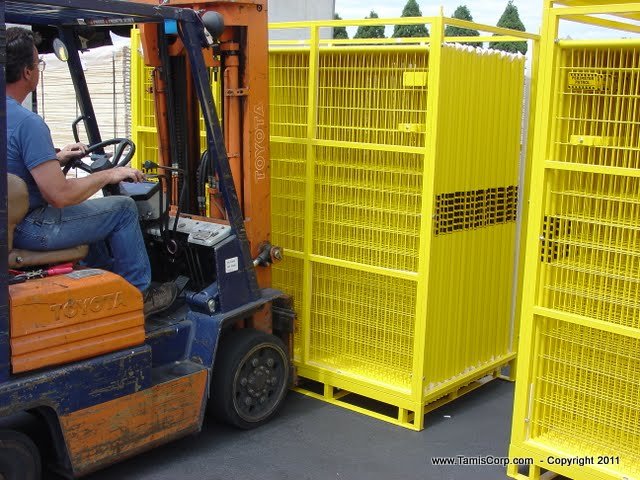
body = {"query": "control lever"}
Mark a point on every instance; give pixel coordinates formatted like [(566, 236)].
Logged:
[(148, 164)]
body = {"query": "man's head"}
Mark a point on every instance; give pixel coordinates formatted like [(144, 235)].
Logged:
[(22, 59)]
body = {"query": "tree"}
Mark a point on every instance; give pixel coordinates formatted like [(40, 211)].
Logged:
[(510, 19), (462, 13), (411, 9), (370, 31), (339, 33)]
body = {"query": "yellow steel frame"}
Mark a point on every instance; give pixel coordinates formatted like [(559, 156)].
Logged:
[(143, 125), (525, 442), (418, 396), (439, 369)]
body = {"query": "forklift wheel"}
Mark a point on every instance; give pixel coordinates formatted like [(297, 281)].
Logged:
[(250, 378), (19, 457)]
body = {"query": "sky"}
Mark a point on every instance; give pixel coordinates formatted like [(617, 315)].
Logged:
[(483, 11)]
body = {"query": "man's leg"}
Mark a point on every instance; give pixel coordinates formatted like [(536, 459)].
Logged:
[(113, 220), (99, 256)]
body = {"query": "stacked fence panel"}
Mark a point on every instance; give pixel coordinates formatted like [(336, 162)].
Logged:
[(579, 389), (401, 267)]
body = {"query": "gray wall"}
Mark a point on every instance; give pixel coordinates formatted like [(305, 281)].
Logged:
[(299, 10)]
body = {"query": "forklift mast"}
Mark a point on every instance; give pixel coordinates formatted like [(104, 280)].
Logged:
[(242, 80)]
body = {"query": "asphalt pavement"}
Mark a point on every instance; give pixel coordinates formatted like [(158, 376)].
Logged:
[(313, 440)]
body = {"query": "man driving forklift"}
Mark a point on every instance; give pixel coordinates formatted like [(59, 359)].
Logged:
[(61, 214)]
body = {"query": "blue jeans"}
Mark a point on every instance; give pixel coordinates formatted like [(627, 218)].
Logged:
[(109, 225)]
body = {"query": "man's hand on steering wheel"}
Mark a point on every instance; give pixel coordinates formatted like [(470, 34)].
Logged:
[(122, 155), (71, 152), (124, 174)]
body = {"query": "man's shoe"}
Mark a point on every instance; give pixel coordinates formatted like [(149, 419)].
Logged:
[(159, 298)]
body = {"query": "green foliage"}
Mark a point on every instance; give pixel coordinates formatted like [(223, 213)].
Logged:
[(411, 9), (339, 32), (370, 31), (462, 13), (510, 19)]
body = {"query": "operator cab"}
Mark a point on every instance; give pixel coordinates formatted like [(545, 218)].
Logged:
[(207, 258), (180, 247)]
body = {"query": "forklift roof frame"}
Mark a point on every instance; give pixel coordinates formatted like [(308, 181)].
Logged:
[(88, 12)]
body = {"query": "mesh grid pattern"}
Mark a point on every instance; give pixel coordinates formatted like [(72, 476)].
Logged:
[(148, 108), (598, 99), (586, 398), (592, 243), (363, 324), (287, 195), (146, 148), (585, 395), (367, 207), (289, 83), (364, 97)]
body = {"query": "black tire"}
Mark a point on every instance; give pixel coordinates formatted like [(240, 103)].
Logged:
[(250, 378), (19, 457)]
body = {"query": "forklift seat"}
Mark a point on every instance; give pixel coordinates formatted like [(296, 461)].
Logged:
[(18, 197)]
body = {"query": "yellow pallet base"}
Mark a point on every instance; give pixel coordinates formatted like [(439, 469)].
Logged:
[(400, 414), (535, 473)]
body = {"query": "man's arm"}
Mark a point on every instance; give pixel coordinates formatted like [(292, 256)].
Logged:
[(61, 192)]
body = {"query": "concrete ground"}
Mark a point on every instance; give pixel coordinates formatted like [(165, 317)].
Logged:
[(313, 440)]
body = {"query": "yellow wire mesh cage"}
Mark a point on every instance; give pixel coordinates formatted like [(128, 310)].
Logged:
[(394, 193), (577, 406), (143, 118)]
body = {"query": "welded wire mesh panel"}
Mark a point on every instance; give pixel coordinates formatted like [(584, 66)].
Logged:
[(586, 399), (363, 324), (147, 105), (288, 195), (367, 206), (590, 247), (375, 95), (598, 107), (352, 189), (146, 148), (578, 392), (142, 98), (474, 217), (143, 117), (288, 89)]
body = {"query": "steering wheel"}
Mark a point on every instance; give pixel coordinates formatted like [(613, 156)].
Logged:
[(100, 161)]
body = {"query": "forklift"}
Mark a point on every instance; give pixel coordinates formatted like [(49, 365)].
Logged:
[(76, 351)]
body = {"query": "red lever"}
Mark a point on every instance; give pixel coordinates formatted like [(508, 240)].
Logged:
[(59, 270)]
